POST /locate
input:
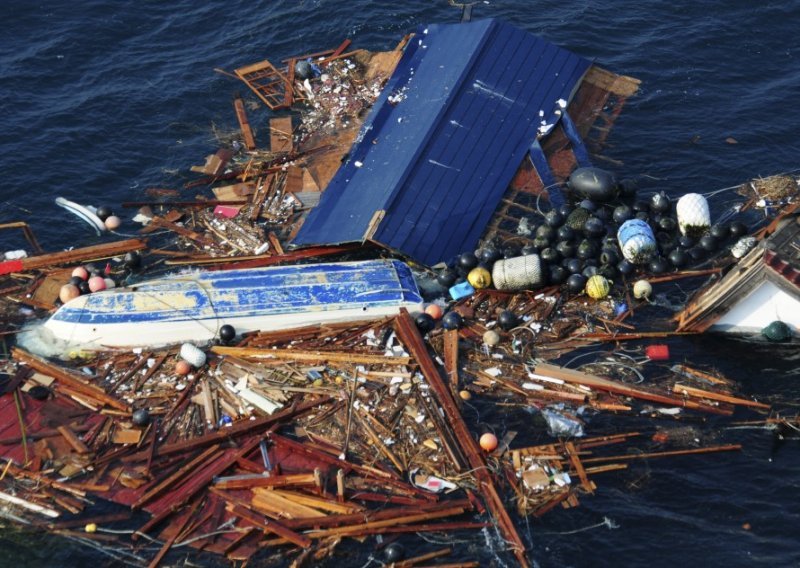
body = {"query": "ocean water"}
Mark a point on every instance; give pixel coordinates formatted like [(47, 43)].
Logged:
[(100, 100)]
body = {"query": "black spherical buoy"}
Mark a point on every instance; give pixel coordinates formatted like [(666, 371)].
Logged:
[(446, 278), (738, 229), (546, 232), (528, 249), (640, 206), (75, 280), (511, 251), (622, 214), (586, 249), (588, 205), (659, 203), (658, 265), (720, 231), (104, 212), (489, 255), (507, 320), (558, 274), (709, 243), (141, 417), (609, 256), (603, 213), (550, 255), (541, 243), (697, 253), (686, 241), (452, 320), (394, 553), (39, 392), (467, 261), (84, 287), (566, 249), (576, 283), (132, 260), (227, 333), (565, 233), (91, 268), (566, 209), (667, 224), (609, 271), (425, 323), (625, 267), (679, 258), (575, 266), (594, 227), (590, 270), (303, 70), (554, 218), (642, 216)]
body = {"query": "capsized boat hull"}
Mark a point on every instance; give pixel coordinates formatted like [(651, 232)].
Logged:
[(192, 307)]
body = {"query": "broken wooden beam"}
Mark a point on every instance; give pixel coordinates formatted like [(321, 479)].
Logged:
[(412, 340), (244, 123), (310, 355), (93, 252), (72, 380)]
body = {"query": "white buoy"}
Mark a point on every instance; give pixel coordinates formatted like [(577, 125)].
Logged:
[(694, 218), (518, 273), (642, 289), (193, 355)]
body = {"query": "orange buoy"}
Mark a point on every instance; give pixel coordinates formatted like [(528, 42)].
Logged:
[(81, 273), (97, 283), (434, 311), (488, 442), (183, 367), (113, 222), (68, 292)]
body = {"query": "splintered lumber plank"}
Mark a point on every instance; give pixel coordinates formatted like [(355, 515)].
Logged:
[(73, 440), (197, 482), (170, 541), (686, 390), (93, 252), (311, 501), (173, 479), (72, 380), (412, 340), (244, 124), (409, 562), (307, 355), (289, 480), (593, 381), (270, 526), (572, 453), (240, 428), (369, 527), (451, 357), (670, 453)]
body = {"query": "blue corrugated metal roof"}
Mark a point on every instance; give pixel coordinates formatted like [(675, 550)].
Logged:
[(444, 140)]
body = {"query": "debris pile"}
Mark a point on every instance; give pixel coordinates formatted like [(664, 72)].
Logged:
[(285, 442)]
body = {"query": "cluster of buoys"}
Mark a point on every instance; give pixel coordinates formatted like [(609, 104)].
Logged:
[(85, 280), (603, 232), (106, 215)]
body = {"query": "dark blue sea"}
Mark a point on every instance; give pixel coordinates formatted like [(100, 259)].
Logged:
[(100, 100)]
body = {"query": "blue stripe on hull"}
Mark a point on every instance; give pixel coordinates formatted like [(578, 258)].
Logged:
[(272, 291)]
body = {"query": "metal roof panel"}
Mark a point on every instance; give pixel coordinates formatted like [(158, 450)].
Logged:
[(444, 139)]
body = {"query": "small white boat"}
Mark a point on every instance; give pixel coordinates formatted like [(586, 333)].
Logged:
[(192, 307)]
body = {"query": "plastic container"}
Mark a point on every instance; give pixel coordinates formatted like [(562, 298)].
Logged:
[(518, 273), (636, 240)]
